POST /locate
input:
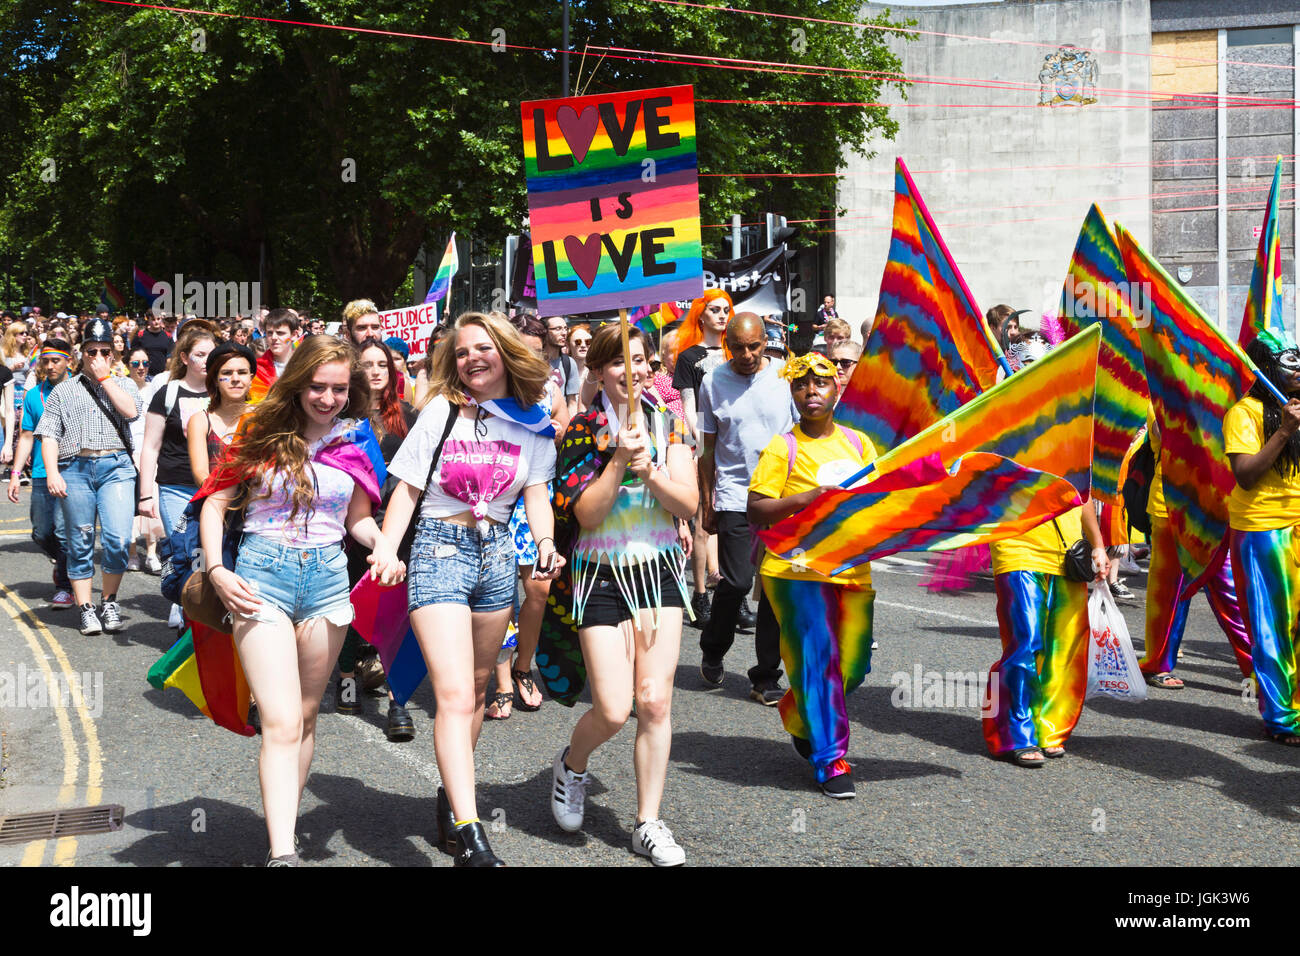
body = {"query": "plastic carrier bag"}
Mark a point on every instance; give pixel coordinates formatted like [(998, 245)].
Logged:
[(1112, 664)]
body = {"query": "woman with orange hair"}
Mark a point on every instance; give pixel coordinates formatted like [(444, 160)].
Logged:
[(701, 347)]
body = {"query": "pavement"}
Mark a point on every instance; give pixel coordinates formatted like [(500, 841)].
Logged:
[(1184, 778)]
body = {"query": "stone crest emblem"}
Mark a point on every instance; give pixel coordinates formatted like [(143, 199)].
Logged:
[(1068, 77)]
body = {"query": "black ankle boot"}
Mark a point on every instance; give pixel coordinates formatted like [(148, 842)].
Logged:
[(446, 824), (472, 847)]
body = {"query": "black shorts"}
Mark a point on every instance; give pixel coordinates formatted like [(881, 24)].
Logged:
[(606, 606)]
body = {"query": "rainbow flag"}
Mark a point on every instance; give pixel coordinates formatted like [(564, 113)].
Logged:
[(1096, 293), (1264, 301), (382, 619), (1195, 374), (447, 269), (112, 297), (178, 668), (1010, 459), (144, 284), (651, 318), (930, 350)]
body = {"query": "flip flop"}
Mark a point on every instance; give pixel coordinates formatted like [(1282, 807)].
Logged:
[(524, 680), (1053, 753), (1167, 681), (500, 701)]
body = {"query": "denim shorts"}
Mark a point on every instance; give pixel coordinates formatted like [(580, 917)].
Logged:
[(453, 564), (302, 582)]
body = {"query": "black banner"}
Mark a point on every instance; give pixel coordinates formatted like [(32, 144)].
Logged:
[(757, 283)]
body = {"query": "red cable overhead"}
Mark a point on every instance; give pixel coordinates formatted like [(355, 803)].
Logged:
[(965, 36)]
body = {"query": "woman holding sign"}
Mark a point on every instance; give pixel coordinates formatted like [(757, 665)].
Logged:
[(480, 442), (621, 483)]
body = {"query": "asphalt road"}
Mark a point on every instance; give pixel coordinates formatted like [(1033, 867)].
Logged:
[(1186, 777)]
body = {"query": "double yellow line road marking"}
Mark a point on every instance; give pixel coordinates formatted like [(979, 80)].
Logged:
[(32, 630)]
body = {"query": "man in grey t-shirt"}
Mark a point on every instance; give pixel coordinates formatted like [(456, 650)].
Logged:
[(564, 370), (743, 405)]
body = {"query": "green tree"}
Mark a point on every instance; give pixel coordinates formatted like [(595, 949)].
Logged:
[(321, 160)]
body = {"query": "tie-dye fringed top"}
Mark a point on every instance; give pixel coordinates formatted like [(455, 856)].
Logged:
[(636, 535)]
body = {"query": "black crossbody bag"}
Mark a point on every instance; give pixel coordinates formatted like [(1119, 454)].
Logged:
[(408, 539), (1078, 558), (123, 432)]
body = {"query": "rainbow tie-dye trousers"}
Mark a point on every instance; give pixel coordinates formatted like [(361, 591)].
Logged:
[(1036, 689), (1267, 569), (826, 648), (1167, 615)]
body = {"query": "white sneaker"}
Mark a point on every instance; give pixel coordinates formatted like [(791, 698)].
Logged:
[(568, 795), (133, 563), (90, 621), (174, 620), (655, 840), (152, 564), (61, 599)]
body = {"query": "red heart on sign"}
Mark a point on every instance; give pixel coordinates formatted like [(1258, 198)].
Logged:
[(584, 256), (578, 129)]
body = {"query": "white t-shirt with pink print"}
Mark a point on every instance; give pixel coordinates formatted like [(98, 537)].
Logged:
[(485, 464)]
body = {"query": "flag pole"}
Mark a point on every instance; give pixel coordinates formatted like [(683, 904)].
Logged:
[(633, 399)]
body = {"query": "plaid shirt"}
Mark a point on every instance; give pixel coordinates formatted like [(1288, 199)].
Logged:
[(74, 420)]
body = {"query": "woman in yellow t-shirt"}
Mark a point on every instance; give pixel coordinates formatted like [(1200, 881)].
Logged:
[(1036, 688), (825, 621), (1261, 441)]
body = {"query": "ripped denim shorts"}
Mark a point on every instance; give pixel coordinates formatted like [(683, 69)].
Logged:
[(453, 564), (302, 582)]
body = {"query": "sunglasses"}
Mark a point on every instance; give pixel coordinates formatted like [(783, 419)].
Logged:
[(139, 364), (844, 363), (91, 353)]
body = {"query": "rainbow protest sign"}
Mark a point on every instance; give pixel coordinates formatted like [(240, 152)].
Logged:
[(614, 199)]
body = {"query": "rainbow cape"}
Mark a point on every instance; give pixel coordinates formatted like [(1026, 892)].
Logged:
[(1005, 462), (1096, 293), (203, 664), (263, 378), (1195, 374), (447, 269), (930, 350), (1264, 300)]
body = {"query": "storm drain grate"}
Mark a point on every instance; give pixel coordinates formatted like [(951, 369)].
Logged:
[(52, 824)]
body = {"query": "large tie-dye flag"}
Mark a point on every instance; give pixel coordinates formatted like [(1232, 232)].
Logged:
[(930, 350), (1195, 374), (1096, 292), (1012, 458), (1264, 302)]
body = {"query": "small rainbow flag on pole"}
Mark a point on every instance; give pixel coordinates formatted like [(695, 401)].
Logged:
[(1195, 374), (440, 291), (1096, 293), (112, 297), (1264, 301), (1010, 459), (930, 350)]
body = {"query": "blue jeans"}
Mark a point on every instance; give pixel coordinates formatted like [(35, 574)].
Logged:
[(48, 530), (172, 500), (102, 488)]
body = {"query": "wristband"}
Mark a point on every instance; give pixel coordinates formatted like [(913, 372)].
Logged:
[(539, 541), (106, 377), (143, 500)]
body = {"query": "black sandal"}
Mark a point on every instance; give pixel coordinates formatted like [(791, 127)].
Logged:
[(524, 679), (1287, 740), (500, 700), (1019, 757)]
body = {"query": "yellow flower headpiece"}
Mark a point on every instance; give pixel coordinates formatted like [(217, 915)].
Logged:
[(801, 365)]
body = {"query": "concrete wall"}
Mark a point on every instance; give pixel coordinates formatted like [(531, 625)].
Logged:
[(1010, 227)]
